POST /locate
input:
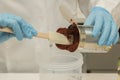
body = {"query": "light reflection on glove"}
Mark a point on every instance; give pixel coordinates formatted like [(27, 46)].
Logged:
[(104, 26), (21, 29)]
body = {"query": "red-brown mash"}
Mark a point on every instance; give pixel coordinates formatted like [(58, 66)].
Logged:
[(71, 33)]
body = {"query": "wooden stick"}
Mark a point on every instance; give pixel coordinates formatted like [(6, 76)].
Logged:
[(43, 35), (52, 36), (8, 30), (39, 35)]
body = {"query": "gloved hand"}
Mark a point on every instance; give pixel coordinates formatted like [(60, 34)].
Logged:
[(21, 29), (103, 26)]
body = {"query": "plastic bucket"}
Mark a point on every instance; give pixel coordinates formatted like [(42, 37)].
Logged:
[(63, 67)]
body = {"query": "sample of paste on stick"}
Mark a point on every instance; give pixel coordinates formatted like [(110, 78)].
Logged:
[(71, 33)]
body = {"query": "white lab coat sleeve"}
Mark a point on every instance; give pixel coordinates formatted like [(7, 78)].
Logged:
[(108, 4), (70, 5), (112, 6)]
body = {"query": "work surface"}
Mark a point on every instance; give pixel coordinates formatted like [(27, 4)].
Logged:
[(35, 76)]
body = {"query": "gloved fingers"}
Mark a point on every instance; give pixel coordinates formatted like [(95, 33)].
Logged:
[(28, 29), (24, 26), (97, 26), (5, 36), (14, 25), (116, 39), (33, 31), (28, 33), (20, 27), (113, 34), (90, 20), (105, 32)]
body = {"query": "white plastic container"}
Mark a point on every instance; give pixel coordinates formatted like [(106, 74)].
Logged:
[(64, 67)]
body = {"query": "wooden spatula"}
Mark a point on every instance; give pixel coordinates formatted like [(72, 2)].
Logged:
[(52, 36)]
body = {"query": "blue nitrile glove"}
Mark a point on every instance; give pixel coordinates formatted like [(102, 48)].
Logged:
[(21, 29), (103, 26)]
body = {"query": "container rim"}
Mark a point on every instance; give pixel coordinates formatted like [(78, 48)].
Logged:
[(65, 66)]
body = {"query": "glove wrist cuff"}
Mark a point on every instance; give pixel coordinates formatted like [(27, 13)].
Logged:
[(99, 9)]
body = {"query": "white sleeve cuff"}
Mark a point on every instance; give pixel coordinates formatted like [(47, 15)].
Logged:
[(108, 4)]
